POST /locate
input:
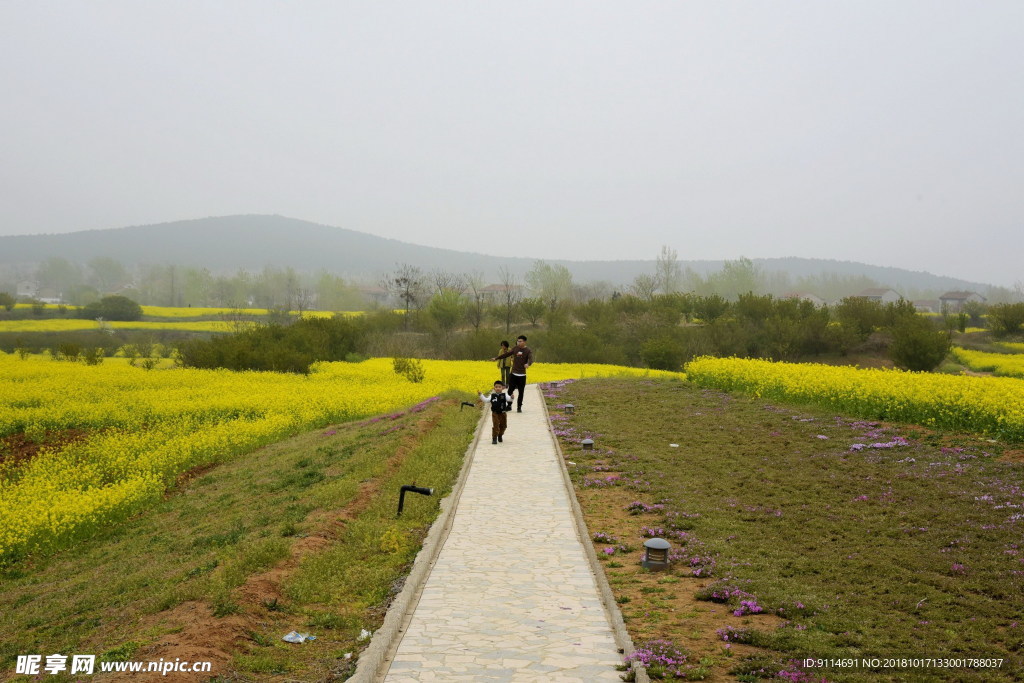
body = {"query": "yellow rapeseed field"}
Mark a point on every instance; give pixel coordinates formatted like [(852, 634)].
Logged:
[(986, 405), (173, 321), (147, 427), (198, 312), (1009, 364), (77, 324)]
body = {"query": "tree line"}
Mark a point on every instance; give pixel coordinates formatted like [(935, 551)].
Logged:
[(652, 323), (663, 331), (288, 289)]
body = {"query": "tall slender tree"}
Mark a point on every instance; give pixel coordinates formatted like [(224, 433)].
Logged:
[(668, 275)]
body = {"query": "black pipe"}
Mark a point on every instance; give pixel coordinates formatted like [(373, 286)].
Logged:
[(467, 403), (415, 489)]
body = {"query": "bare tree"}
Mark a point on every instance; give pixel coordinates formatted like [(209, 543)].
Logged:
[(291, 289), (668, 275), (304, 298), (447, 282), (644, 286), (475, 299), (511, 295), (408, 284), (598, 289)]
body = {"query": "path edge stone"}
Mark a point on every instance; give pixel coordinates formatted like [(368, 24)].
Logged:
[(611, 607), (375, 660)]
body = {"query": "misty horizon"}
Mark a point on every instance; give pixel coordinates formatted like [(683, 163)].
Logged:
[(875, 133), (652, 259)]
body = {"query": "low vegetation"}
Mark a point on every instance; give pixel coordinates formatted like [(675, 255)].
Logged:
[(983, 405), (300, 535), (797, 533), (292, 348)]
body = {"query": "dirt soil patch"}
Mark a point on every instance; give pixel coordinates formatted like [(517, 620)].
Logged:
[(18, 449)]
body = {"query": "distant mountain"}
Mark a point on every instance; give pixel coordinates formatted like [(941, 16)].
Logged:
[(230, 243)]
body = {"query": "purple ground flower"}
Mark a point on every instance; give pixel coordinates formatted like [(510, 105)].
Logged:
[(794, 673), (637, 507), (748, 607), (661, 658), (723, 593), (734, 635), (610, 480)]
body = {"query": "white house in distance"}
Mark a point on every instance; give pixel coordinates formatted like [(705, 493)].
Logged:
[(953, 302), (884, 295)]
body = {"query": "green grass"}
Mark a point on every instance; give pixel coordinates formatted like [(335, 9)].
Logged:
[(207, 538), (910, 550)]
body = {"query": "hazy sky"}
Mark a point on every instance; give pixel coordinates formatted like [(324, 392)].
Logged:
[(888, 131)]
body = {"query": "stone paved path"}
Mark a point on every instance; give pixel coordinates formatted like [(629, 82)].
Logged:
[(511, 596)]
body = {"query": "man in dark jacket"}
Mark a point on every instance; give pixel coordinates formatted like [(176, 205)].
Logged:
[(522, 358)]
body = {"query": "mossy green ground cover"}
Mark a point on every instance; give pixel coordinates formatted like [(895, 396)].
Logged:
[(809, 534), (218, 559)]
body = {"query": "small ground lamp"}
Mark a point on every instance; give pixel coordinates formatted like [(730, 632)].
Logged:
[(569, 409), (588, 444), (655, 554)]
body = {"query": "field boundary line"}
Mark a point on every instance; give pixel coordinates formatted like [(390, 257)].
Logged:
[(376, 658), (622, 638)]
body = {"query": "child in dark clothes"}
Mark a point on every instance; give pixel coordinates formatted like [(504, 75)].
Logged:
[(500, 404)]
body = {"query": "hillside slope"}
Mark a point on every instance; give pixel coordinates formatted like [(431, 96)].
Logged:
[(250, 242)]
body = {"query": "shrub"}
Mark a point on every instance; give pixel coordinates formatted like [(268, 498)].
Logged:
[(92, 355), (917, 345), (410, 368), (113, 307), (275, 347), (861, 316), (1006, 318), (67, 351), (710, 308), (663, 353)]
